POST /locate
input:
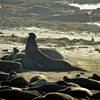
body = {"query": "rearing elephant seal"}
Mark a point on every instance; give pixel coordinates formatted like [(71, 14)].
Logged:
[(31, 48), (48, 63)]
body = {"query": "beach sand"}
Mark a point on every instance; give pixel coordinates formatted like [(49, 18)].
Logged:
[(78, 54)]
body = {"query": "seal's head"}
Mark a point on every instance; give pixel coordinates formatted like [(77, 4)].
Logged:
[(15, 50), (32, 35)]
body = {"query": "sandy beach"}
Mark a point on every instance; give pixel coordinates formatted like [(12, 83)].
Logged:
[(78, 54)]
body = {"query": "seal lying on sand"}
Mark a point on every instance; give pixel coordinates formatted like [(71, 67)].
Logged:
[(77, 92), (48, 63), (10, 56), (10, 94), (8, 66), (67, 84), (46, 88), (17, 81), (25, 61), (84, 82), (95, 77), (55, 96), (38, 77)]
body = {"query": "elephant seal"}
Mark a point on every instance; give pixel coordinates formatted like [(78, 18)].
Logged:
[(46, 88), (31, 47), (17, 81), (48, 63), (78, 92), (6, 57), (84, 82), (55, 96), (38, 77), (95, 77), (39, 83), (15, 50), (67, 84), (11, 94), (8, 66), (26, 64), (22, 58), (20, 81), (10, 56)]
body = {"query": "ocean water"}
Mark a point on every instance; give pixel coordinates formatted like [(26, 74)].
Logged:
[(81, 6), (86, 6), (94, 23)]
